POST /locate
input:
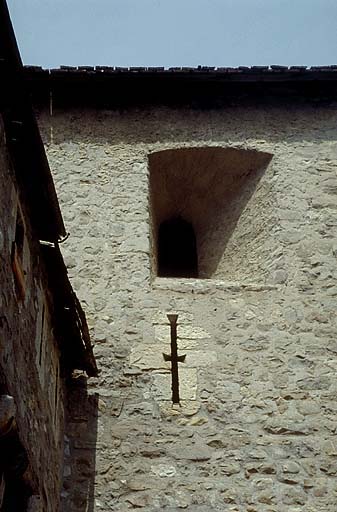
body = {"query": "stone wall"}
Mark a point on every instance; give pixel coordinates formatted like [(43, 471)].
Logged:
[(29, 357), (256, 428)]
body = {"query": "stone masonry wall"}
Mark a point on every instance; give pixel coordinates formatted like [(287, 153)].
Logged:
[(256, 428), (29, 357)]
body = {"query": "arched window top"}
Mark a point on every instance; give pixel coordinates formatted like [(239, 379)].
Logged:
[(177, 249)]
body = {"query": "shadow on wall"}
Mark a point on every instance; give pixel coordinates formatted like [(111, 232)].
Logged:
[(16, 481), (80, 447), (286, 123), (216, 190)]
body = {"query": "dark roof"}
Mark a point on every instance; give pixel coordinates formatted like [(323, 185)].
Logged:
[(104, 86), (70, 324), (242, 70), (23, 139), (32, 172)]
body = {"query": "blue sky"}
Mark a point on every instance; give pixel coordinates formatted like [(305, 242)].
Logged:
[(175, 32)]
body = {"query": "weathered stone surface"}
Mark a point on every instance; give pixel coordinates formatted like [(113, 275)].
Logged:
[(164, 471), (262, 403), (35, 504), (193, 453), (162, 382), (150, 357), (7, 413)]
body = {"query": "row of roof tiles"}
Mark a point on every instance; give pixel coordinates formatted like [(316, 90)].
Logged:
[(204, 69)]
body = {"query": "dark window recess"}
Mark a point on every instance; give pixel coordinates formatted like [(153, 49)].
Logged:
[(177, 249), (13, 465)]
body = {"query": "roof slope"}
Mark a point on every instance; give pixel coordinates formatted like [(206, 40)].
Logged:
[(104, 86), (36, 185)]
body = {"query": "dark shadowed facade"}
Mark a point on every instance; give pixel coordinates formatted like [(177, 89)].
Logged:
[(43, 330)]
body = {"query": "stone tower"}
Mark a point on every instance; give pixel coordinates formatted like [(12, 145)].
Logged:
[(211, 195)]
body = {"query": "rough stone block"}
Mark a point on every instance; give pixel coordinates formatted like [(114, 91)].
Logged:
[(161, 387), (150, 357), (34, 504), (200, 358), (7, 412)]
